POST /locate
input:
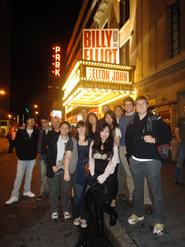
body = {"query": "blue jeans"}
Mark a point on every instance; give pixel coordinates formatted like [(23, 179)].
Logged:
[(151, 170), (180, 161), (23, 166), (79, 203)]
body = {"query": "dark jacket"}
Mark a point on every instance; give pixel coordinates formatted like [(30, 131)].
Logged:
[(52, 152), (134, 137), (25, 146), (43, 141)]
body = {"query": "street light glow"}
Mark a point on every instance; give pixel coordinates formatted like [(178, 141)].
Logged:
[(35, 106), (2, 92)]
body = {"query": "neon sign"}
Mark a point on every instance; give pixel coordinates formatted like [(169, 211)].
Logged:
[(56, 61)]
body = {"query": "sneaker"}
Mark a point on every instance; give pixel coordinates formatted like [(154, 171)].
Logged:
[(77, 221), (133, 219), (158, 229), (12, 200), (67, 215), (83, 223), (39, 198), (29, 194), (54, 216)]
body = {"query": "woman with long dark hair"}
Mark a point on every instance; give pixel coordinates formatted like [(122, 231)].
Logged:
[(80, 177), (92, 125), (110, 118), (103, 156)]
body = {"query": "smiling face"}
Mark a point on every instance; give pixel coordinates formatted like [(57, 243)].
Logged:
[(118, 112), (92, 119), (108, 119), (141, 106), (104, 134), (64, 129), (81, 130), (129, 106), (30, 122), (45, 123)]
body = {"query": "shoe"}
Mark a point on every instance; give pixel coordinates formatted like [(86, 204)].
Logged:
[(77, 221), (122, 197), (54, 216), (29, 194), (133, 219), (83, 223), (129, 204), (158, 229), (39, 198), (148, 209), (113, 218), (12, 200), (67, 215)]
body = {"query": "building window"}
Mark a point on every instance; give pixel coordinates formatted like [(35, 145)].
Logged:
[(175, 28), (124, 53), (124, 11)]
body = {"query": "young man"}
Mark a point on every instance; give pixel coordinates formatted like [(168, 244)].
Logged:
[(42, 151), (84, 114), (145, 162), (26, 149), (180, 136), (105, 108), (124, 168), (55, 172)]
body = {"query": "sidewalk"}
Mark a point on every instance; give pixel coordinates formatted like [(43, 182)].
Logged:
[(125, 235)]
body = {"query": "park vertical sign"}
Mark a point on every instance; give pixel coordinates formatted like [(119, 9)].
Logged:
[(101, 45), (56, 60)]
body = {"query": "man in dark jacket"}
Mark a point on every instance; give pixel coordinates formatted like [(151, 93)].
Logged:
[(145, 161), (55, 171), (26, 150), (42, 158)]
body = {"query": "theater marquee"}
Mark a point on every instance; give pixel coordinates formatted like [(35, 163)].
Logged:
[(94, 84)]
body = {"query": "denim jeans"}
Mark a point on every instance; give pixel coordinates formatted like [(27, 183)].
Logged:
[(152, 171), (22, 167), (43, 178), (79, 203), (180, 161), (59, 187)]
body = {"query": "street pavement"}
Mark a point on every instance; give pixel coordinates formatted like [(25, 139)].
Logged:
[(27, 223), (141, 234)]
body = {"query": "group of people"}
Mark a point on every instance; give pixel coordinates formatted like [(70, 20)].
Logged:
[(87, 168)]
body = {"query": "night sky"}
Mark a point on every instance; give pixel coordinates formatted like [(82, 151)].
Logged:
[(35, 26)]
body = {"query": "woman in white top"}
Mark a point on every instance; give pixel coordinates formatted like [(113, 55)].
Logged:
[(110, 118), (103, 158)]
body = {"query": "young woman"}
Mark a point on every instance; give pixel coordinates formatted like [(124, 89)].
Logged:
[(80, 178), (92, 124), (110, 118), (119, 112), (103, 156)]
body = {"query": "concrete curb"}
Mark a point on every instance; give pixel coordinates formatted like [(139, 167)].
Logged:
[(117, 235)]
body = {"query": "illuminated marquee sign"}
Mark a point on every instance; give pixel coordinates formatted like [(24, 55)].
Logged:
[(111, 75), (101, 45), (56, 61)]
